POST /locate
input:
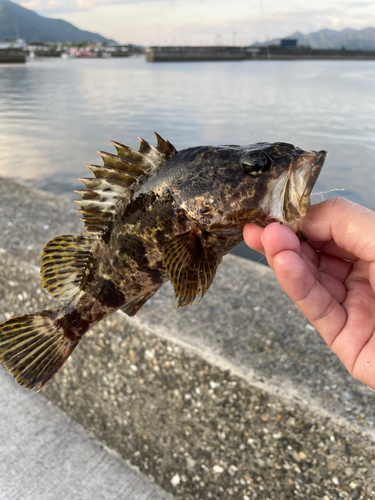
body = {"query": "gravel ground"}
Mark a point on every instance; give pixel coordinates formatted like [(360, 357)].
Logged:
[(197, 430), (201, 432)]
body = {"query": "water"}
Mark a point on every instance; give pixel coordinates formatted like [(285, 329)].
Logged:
[(54, 114)]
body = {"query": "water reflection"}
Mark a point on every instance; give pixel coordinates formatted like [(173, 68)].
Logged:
[(55, 114)]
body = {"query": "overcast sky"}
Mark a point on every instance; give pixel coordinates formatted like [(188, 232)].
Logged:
[(205, 22)]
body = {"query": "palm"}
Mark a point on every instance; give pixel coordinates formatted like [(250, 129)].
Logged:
[(332, 287), (348, 285)]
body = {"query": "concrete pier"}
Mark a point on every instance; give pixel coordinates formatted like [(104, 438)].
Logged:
[(12, 56), (211, 53), (234, 397)]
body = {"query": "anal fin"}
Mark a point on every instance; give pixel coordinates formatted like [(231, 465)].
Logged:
[(133, 307), (191, 265)]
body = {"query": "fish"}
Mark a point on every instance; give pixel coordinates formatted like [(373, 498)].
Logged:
[(152, 215)]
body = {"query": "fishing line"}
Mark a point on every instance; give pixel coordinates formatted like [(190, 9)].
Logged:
[(321, 193)]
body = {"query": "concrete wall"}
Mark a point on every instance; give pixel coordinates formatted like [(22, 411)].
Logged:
[(179, 54)]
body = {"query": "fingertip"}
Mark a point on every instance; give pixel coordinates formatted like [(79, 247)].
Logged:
[(252, 235)]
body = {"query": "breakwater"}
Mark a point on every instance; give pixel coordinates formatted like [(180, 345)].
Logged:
[(205, 53), (12, 56)]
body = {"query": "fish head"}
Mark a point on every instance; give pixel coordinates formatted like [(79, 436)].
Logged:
[(229, 186)]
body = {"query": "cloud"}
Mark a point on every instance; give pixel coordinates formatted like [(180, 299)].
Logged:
[(358, 5), (205, 22), (48, 7)]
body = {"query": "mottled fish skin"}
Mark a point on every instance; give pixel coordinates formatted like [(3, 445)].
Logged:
[(154, 215)]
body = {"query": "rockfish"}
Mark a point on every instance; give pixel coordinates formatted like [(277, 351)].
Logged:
[(150, 216)]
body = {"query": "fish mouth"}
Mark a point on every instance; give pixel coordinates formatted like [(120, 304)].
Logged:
[(303, 174)]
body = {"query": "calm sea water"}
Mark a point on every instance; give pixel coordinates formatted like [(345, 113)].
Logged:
[(54, 114)]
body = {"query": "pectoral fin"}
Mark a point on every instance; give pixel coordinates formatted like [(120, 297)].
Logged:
[(191, 266)]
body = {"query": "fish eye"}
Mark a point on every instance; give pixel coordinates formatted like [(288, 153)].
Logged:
[(256, 165)]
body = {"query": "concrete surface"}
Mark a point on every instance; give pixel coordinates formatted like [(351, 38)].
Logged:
[(47, 456), (235, 397), (245, 322)]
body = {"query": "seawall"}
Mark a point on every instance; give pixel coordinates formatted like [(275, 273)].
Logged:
[(227, 53), (234, 397)]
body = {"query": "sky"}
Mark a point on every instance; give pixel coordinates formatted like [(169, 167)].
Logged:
[(205, 22)]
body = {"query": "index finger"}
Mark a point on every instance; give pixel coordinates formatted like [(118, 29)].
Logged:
[(331, 248)]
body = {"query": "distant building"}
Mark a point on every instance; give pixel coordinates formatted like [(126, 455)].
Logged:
[(12, 44), (37, 47), (288, 42)]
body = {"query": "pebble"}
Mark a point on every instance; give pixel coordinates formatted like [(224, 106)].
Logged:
[(190, 463), (217, 469), (175, 481), (349, 471), (332, 465), (150, 353), (232, 469)]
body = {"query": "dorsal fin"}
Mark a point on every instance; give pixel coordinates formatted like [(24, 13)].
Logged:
[(118, 180), (165, 146)]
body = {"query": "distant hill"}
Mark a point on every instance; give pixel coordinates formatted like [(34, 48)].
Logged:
[(331, 39), (18, 22)]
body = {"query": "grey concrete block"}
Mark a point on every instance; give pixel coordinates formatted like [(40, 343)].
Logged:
[(46, 456)]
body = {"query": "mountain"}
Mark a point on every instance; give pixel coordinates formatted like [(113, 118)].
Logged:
[(330, 39), (18, 22)]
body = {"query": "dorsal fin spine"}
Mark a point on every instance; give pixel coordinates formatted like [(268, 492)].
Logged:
[(145, 147), (113, 174), (165, 147), (120, 163), (117, 180), (136, 156)]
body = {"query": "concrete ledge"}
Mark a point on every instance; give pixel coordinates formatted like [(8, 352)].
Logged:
[(235, 397), (47, 456)]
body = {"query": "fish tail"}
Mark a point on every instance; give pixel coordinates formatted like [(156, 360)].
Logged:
[(33, 348)]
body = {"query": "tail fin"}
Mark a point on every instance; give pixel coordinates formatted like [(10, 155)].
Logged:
[(33, 348)]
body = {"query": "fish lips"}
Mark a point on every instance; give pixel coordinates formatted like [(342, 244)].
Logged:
[(316, 168), (302, 177)]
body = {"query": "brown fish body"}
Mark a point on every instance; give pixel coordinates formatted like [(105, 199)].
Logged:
[(151, 216)]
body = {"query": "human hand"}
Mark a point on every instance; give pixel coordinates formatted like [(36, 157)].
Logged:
[(330, 277)]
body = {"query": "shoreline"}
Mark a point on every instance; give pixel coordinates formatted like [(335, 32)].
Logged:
[(207, 53)]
